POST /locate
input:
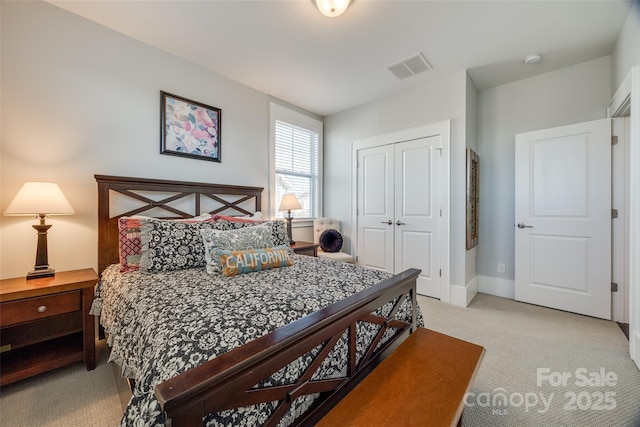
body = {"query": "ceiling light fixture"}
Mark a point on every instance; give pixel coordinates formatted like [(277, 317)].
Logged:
[(532, 59), (332, 8)]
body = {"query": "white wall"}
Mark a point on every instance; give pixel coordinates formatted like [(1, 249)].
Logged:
[(471, 142), (626, 53), (571, 95), (78, 100), (432, 102)]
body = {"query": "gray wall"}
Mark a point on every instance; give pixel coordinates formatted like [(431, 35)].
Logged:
[(627, 50), (471, 255), (79, 99), (572, 95)]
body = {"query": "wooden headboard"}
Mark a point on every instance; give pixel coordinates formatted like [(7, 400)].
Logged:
[(230, 199)]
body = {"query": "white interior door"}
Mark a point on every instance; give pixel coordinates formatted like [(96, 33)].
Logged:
[(375, 208), (624, 104), (563, 217), (417, 211)]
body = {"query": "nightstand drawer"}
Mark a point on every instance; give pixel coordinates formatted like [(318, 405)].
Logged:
[(26, 310)]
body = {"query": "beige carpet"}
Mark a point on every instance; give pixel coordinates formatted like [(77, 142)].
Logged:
[(67, 397), (519, 339)]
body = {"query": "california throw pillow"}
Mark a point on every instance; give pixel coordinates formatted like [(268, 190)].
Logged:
[(250, 260)]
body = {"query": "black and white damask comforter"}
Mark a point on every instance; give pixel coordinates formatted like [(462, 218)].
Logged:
[(163, 324)]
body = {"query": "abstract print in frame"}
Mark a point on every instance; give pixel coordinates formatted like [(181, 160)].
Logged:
[(189, 128), (473, 197)]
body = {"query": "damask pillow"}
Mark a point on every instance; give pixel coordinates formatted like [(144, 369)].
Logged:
[(257, 237), (250, 260), (172, 245), (279, 234), (129, 244), (278, 229)]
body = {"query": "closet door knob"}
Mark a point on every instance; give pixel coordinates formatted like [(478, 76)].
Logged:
[(523, 225), (386, 222), (400, 223)]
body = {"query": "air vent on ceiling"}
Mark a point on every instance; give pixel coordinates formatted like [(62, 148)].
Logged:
[(410, 66)]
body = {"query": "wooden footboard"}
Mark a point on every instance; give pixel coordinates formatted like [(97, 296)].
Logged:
[(229, 381)]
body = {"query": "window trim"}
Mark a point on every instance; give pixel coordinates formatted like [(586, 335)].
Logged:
[(284, 114)]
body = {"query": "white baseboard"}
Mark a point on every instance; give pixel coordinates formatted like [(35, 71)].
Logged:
[(462, 295), (634, 346), (504, 288)]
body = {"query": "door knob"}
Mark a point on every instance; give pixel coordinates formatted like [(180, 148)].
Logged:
[(399, 223), (523, 225), (386, 222)]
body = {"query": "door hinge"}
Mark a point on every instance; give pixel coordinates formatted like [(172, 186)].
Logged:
[(614, 213), (614, 287), (6, 347), (440, 273), (614, 140)]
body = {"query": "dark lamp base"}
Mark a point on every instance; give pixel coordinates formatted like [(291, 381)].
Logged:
[(41, 267), (46, 272), (289, 228)]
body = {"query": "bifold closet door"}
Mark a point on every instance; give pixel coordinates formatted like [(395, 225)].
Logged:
[(399, 208), (375, 208), (417, 211)]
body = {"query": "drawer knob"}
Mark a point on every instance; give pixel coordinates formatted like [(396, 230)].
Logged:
[(42, 309)]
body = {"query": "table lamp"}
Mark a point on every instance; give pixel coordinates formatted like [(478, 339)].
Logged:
[(289, 201), (40, 199)]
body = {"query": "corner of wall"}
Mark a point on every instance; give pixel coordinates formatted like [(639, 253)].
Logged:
[(462, 296)]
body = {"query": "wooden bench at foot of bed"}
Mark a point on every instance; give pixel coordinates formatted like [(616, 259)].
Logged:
[(422, 383)]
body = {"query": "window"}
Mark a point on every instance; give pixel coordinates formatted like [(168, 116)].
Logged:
[(297, 154)]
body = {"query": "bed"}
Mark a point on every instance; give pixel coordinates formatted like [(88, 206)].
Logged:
[(274, 347)]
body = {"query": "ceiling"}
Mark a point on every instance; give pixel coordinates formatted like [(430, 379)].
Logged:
[(289, 50)]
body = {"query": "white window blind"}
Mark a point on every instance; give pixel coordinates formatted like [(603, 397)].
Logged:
[(297, 166)]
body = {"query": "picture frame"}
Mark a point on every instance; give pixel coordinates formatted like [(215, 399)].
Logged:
[(189, 128), (473, 197)]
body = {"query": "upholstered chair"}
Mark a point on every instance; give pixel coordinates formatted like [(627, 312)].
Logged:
[(330, 240)]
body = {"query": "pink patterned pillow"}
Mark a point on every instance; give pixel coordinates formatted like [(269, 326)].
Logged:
[(236, 218), (129, 244)]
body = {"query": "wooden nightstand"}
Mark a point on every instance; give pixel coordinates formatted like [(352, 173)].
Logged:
[(305, 248), (45, 324)]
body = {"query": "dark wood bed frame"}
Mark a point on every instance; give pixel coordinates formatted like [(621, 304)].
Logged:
[(229, 381)]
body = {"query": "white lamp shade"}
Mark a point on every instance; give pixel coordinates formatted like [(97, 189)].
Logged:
[(289, 202), (39, 198), (332, 8)]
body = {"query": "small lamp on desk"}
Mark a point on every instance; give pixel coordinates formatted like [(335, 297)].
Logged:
[(288, 203), (40, 199)]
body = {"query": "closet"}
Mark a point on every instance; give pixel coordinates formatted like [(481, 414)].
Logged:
[(399, 214)]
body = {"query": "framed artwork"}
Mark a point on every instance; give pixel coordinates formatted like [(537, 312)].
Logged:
[(189, 128), (473, 199)]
